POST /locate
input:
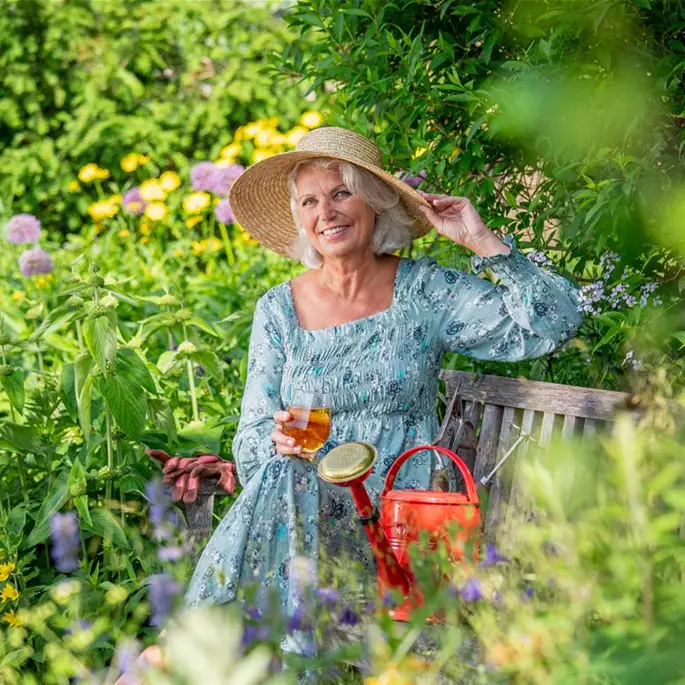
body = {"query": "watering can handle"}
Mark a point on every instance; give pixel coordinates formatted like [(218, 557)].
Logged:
[(463, 469)]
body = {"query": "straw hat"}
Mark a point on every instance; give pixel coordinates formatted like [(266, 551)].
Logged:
[(260, 197)]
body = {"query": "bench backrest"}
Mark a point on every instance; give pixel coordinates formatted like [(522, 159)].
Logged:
[(486, 414)]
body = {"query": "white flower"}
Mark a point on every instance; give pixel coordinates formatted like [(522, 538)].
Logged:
[(109, 301), (186, 347)]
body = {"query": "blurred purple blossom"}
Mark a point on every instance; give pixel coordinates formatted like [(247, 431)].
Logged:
[(349, 617), (76, 627), (223, 212), (631, 360), (298, 621), (23, 228), (529, 592), (410, 179), (125, 656), (132, 201), (224, 178), (162, 591), (538, 257), (163, 518), (492, 556), (66, 544), (172, 553), (471, 590), (328, 596), (35, 261), (202, 176)]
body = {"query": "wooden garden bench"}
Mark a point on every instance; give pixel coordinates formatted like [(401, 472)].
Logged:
[(483, 420)]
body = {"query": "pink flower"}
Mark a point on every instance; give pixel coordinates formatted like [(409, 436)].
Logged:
[(223, 212), (133, 202), (23, 228), (35, 261)]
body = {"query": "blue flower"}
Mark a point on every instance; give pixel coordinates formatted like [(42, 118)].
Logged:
[(329, 596), (471, 591), (492, 556), (349, 617), (161, 593), (66, 544)]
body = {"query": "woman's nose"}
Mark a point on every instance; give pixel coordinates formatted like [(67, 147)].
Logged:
[(327, 212)]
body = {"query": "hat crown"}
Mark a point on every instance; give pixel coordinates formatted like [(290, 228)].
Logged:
[(332, 140)]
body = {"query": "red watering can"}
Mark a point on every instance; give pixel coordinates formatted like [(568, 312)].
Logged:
[(451, 519)]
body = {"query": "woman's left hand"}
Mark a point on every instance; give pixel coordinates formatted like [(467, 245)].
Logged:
[(457, 219)]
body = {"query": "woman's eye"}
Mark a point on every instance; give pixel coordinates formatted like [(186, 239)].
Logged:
[(343, 193), (307, 201)]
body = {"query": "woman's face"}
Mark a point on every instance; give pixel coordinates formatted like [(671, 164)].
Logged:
[(338, 223)]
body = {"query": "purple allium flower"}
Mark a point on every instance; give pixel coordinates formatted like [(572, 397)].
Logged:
[(202, 176), (171, 553), (349, 617), (223, 212), (492, 556), (328, 596), (471, 591), (23, 228), (35, 261), (66, 544), (250, 636), (132, 201), (162, 591), (224, 177), (410, 179)]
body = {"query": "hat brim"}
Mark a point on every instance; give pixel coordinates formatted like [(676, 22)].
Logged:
[(260, 198)]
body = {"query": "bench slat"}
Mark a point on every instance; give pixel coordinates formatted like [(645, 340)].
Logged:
[(487, 443), (568, 428), (498, 485), (588, 403), (547, 428)]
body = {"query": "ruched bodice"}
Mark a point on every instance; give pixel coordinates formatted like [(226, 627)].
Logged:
[(381, 373)]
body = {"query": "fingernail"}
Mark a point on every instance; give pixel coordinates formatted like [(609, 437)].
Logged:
[(291, 442)]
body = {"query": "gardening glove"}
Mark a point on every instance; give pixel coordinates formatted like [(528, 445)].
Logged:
[(185, 473)]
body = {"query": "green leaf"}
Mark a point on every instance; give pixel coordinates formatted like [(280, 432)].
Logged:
[(67, 390), (18, 438), (55, 500), (166, 361), (14, 387), (161, 416), (101, 339), (16, 520), (210, 362), (84, 406), (126, 402), (132, 482), (55, 318), (107, 527), (197, 322), (130, 366), (81, 504)]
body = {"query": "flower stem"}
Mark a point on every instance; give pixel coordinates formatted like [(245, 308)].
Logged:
[(110, 457), (228, 248), (191, 381), (79, 335)]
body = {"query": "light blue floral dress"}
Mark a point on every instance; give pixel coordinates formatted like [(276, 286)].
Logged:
[(381, 373)]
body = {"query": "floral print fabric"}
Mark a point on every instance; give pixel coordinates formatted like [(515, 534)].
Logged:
[(381, 372)]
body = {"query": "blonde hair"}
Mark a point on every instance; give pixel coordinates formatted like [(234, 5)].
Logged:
[(393, 227)]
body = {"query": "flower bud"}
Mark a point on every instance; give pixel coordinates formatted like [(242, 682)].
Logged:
[(94, 268), (110, 369), (5, 370), (97, 311), (77, 489), (168, 300), (4, 339), (109, 301), (186, 347), (75, 302), (97, 281), (183, 314)]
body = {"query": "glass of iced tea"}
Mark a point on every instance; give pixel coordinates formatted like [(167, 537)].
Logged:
[(311, 422)]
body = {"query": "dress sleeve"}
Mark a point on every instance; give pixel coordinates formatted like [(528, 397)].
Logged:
[(252, 444), (529, 313)]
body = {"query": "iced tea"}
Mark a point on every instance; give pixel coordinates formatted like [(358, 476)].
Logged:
[(309, 428)]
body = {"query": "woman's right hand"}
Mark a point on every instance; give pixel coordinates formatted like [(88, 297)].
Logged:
[(284, 444)]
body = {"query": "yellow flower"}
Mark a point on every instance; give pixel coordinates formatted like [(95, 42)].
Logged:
[(213, 244), (169, 181), (156, 211), (5, 570), (12, 618), (18, 296), (419, 152), (261, 155), (130, 162), (42, 281), (73, 186), (265, 137), (124, 233), (193, 221), (196, 202), (311, 119), (145, 227), (9, 592), (230, 151), (239, 134), (251, 130), (271, 122), (178, 252), (152, 191), (144, 240), (198, 247), (295, 135), (103, 210), (404, 673), (92, 172)]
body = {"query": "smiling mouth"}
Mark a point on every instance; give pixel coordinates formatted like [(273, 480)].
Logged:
[(333, 231)]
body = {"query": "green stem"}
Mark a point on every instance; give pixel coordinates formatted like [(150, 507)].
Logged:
[(191, 381), (79, 335), (228, 248), (22, 476), (4, 363), (122, 501), (110, 457)]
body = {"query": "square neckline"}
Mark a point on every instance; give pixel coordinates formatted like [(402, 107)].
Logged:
[(400, 263)]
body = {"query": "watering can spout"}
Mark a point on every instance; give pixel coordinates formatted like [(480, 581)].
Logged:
[(349, 465)]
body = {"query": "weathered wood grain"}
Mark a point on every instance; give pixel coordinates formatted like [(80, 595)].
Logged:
[(556, 398), (488, 440), (498, 486), (568, 429), (546, 429)]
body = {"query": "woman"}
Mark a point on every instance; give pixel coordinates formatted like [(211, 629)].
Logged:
[(367, 328)]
